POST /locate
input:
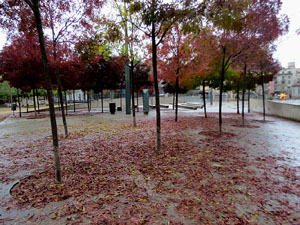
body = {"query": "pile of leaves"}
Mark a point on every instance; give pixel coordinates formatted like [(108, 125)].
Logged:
[(112, 174)]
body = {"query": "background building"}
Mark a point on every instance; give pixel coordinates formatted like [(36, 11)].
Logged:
[(296, 90), (285, 79)]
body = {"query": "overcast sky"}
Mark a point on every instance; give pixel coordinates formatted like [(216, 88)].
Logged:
[(288, 49)]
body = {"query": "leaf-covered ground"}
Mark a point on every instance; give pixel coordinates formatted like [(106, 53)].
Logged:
[(3, 116), (112, 175)]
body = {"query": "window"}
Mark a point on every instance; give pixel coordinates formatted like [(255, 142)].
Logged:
[(289, 82), (282, 82), (276, 82), (289, 77), (282, 78), (298, 90)]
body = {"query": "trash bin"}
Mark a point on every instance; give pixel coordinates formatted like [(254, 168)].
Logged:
[(119, 108), (112, 108), (14, 107)]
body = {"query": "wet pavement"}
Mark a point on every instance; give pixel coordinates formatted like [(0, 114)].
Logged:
[(275, 137)]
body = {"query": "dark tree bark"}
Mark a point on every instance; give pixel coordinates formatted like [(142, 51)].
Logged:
[(248, 100), (61, 98), (88, 101), (137, 101), (74, 100), (173, 106), (263, 95), (35, 8), (176, 91), (37, 100), (221, 90), (27, 106), (238, 99), (102, 100), (34, 102), (204, 101), (58, 103), (132, 92), (66, 103), (243, 95), (20, 110), (154, 64), (121, 95)]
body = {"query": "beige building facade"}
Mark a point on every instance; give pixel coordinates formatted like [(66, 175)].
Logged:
[(285, 79)]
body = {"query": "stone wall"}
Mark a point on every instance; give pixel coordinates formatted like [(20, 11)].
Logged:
[(284, 110)]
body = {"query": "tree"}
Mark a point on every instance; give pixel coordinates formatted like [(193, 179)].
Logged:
[(173, 59), (238, 24), (28, 12), (202, 50), (125, 29), (62, 18), (34, 5), (158, 18), (22, 65), (6, 92), (70, 71), (265, 68)]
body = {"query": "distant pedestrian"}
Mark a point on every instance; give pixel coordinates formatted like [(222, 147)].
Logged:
[(13, 108)]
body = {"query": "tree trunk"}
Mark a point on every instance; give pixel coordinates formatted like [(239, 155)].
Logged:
[(35, 8), (154, 64), (263, 95), (58, 103), (20, 110), (37, 100), (102, 100), (66, 103), (132, 93), (238, 98), (27, 106), (74, 100), (243, 95), (88, 101), (221, 91), (204, 101), (173, 106), (137, 101), (248, 100), (121, 96), (34, 102), (176, 91), (61, 98)]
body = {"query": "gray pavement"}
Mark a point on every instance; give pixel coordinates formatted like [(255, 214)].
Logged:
[(277, 137)]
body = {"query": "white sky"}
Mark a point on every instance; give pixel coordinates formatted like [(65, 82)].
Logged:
[(2, 38), (288, 49)]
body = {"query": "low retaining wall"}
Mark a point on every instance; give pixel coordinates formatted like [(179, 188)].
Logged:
[(284, 110)]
